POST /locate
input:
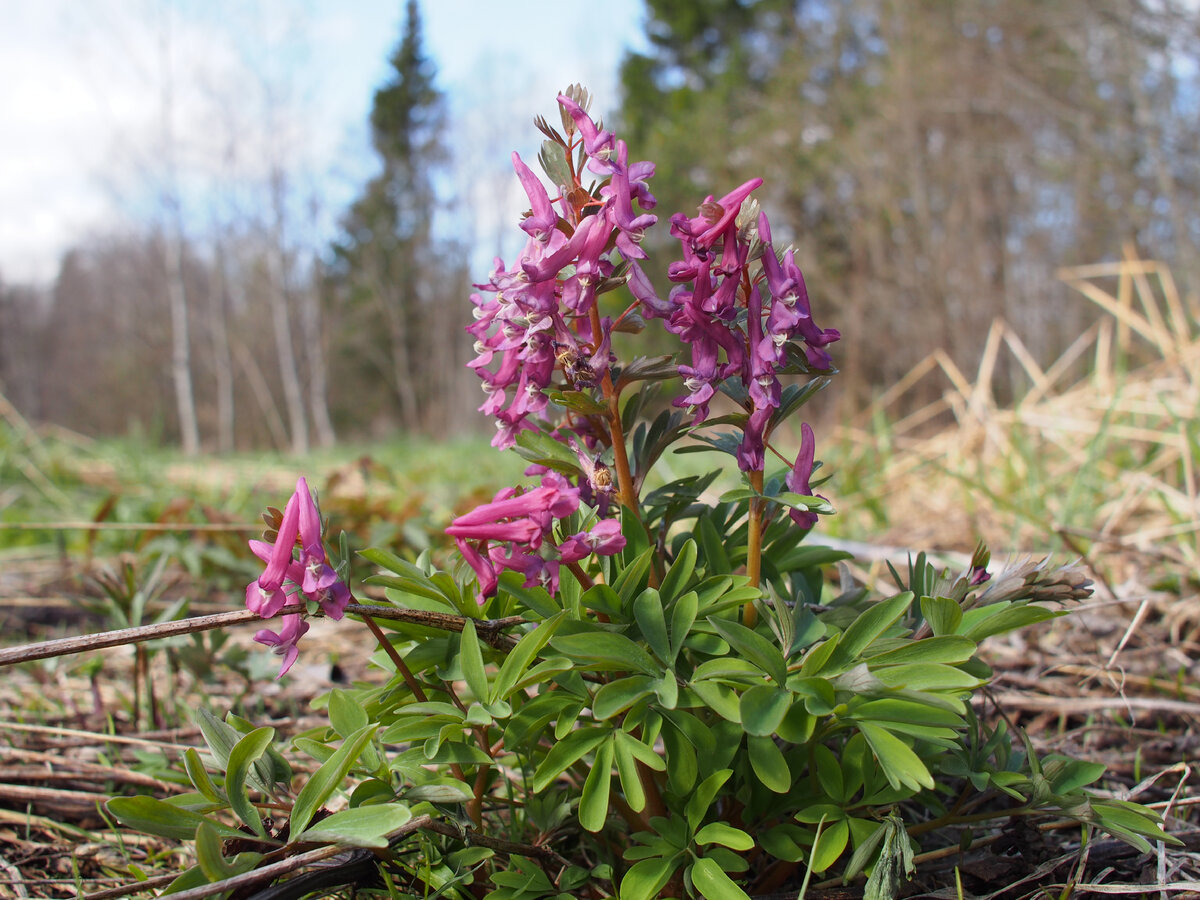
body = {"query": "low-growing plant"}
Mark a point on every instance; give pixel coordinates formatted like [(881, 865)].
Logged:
[(618, 691)]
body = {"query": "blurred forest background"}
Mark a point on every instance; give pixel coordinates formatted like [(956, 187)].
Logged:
[(933, 162)]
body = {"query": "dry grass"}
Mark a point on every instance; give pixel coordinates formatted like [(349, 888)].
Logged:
[(1099, 453)]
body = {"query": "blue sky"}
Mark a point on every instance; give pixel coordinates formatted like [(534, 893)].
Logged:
[(252, 84)]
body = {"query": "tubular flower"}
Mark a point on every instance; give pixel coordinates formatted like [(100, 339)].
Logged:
[(514, 532), (797, 479), (294, 573), (547, 298), (283, 643), (714, 285)]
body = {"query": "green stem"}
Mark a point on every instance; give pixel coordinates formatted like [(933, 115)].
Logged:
[(616, 431), (754, 547), (951, 819), (407, 675)]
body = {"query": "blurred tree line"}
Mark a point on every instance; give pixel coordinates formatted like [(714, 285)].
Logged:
[(935, 161)]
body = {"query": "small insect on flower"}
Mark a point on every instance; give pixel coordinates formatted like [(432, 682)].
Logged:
[(574, 366)]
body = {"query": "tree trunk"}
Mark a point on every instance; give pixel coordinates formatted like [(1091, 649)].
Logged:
[(172, 248), (318, 389), (222, 355), (289, 372)]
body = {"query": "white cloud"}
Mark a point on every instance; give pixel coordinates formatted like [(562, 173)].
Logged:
[(260, 83)]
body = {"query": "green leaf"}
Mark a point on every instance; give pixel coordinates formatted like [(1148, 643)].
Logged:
[(554, 162), (869, 626), (577, 401), (1008, 619), (443, 790), (784, 842), (605, 650), (208, 853), (803, 502), (830, 844), (712, 882), (796, 395), (754, 647), (901, 766), (720, 698), (603, 599), (683, 616), (736, 494), (631, 782), (666, 688), (1074, 774), (763, 708), (942, 614), (471, 657), (212, 863), (818, 656), (564, 753), (725, 835), (684, 768), (363, 826), (617, 696), (715, 558), (680, 573), (769, 764), (644, 754), (328, 777), (949, 650), (593, 802), (648, 613), (153, 816), (519, 658), (219, 736), (927, 677), (222, 737), (730, 669), (199, 777), (540, 448), (385, 559), (433, 708), (628, 582), (534, 598), (346, 714), (829, 773), (864, 851), (244, 753), (645, 879), (705, 793), (1131, 822), (901, 709), (455, 752)]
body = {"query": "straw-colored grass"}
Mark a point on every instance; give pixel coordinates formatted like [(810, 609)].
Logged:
[(1098, 455)]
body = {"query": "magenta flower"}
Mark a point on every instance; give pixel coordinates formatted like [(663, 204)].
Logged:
[(540, 223), (268, 603), (544, 301), (596, 143), (515, 532), (797, 479), (284, 642), (605, 538), (290, 575)]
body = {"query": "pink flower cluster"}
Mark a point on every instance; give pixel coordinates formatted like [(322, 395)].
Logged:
[(291, 575), (713, 285), (537, 318), (515, 532)]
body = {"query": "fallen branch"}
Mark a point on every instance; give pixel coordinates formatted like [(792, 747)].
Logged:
[(489, 630)]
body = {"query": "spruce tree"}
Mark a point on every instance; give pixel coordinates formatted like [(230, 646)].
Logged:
[(388, 268)]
